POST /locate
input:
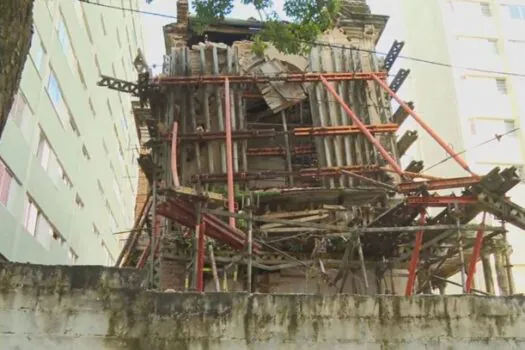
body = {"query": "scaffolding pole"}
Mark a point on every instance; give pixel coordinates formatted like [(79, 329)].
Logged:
[(412, 269), (250, 245), (200, 256), (475, 254), (460, 247), (229, 151), (214, 269), (174, 172), (287, 145)]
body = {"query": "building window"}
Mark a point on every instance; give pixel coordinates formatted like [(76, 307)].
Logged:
[(516, 12), (485, 9), (510, 127), (62, 174), (486, 129), (483, 47), (54, 90), (72, 257), (38, 225), (501, 85), (63, 37), (50, 163), (7, 183), (43, 151), (37, 51), (21, 114)]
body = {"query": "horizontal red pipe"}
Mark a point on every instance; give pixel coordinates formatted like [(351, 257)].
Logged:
[(261, 79)]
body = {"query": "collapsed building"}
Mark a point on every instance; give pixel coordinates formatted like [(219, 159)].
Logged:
[(281, 173)]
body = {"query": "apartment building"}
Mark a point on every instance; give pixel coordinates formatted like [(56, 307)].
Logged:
[(466, 97), (68, 171)]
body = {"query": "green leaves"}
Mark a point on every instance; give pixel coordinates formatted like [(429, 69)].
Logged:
[(310, 18)]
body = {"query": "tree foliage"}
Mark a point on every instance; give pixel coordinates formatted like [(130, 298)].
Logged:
[(310, 18)]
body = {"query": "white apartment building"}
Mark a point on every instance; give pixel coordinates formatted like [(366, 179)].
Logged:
[(68, 171), (472, 101)]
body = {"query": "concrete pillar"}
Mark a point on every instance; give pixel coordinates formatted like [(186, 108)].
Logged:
[(501, 272), (487, 274)]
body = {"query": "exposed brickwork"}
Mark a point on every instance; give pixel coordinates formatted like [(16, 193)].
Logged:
[(172, 275)]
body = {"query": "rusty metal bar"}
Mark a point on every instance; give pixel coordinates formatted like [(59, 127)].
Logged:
[(369, 180), (229, 151), (298, 132), (341, 230), (280, 151), (415, 258), (174, 172), (343, 130), (362, 127), (263, 79), (250, 245), (200, 257), (440, 201), (460, 246), (312, 173), (438, 184), (424, 125), (287, 148), (475, 254)]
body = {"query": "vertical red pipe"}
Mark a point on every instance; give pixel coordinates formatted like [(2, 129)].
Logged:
[(412, 269), (229, 157), (475, 255), (174, 173), (200, 260), (363, 128), (424, 125)]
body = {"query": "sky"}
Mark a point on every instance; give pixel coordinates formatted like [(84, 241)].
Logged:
[(152, 25)]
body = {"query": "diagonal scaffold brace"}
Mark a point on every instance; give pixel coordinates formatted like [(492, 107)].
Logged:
[(355, 119), (424, 125)]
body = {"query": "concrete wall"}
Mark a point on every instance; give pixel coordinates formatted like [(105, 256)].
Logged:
[(104, 308)]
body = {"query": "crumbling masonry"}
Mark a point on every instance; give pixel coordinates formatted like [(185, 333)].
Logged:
[(281, 173)]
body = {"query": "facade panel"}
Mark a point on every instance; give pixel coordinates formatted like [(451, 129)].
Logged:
[(52, 148)]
